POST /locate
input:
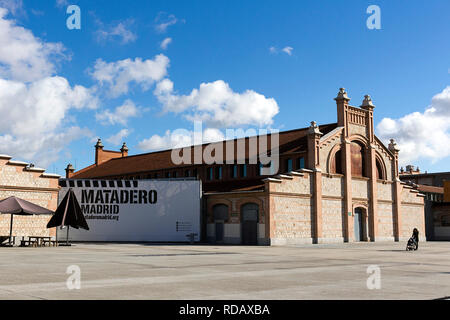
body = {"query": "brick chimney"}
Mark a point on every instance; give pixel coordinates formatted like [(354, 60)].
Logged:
[(98, 151), (69, 171), (124, 150)]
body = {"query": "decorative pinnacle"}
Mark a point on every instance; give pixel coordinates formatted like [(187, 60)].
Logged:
[(367, 102), (393, 146), (99, 143), (342, 95), (314, 128)]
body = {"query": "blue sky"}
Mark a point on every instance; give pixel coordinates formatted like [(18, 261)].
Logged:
[(288, 58)]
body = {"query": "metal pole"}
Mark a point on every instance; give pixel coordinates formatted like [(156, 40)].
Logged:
[(67, 239), (10, 229)]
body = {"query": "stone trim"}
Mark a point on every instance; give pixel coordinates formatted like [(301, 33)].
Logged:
[(360, 178), (51, 175), (385, 201), (292, 195), (326, 197), (33, 189), (5, 156), (360, 199), (330, 134), (412, 204), (17, 163), (284, 176), (33, 169), (333, 175), (273, 180)]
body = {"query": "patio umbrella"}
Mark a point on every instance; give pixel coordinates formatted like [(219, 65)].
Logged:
[(14, 205), (68, 214)]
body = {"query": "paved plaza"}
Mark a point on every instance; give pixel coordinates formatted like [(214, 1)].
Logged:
[(149, 271)]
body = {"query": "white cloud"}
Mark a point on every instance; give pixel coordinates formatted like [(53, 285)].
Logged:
[(33, 123), (216, 104), (42, 149), (165, 43), (178, 139), (421, 135), (118, 30), (117, 138), (15, 7), (118, 75), (164, 21), (62, 3), (24, 57), (120, 115), (288, 50), (36, 122)]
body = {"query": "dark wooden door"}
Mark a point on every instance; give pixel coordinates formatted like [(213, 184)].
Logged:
[(250, 224), (357, 223)]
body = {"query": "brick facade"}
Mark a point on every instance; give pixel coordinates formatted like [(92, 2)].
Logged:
[(318, 204), (336, 183), (31, 184)]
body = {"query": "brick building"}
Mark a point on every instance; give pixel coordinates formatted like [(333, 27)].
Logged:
[(436, 188), (30, 183), (336, 183)]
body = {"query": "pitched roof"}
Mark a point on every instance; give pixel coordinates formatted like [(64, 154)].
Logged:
[(289, 141), (430, 189)]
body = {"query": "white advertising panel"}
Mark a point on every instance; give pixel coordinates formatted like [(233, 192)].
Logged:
[(135, 210)]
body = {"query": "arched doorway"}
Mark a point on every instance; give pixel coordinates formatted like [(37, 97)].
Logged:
[(220, 213), (249, 217), (358, 224)]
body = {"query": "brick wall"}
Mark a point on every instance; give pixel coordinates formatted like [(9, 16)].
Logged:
[(291, 208), (32, 185), (412, 213)]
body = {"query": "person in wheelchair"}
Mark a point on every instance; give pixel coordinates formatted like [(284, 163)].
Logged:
[(413, 242)]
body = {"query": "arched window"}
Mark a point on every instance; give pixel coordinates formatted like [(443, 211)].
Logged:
[(380, 171), (358, 159), (336, 163), (220, 212)]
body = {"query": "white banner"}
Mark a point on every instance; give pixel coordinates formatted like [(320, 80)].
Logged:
[(136, 210)]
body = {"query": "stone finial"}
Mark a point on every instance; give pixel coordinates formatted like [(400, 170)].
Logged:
[(367, 102), (314, 128), (342, 95), (124, 147), (393, 146), (99, 143)]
